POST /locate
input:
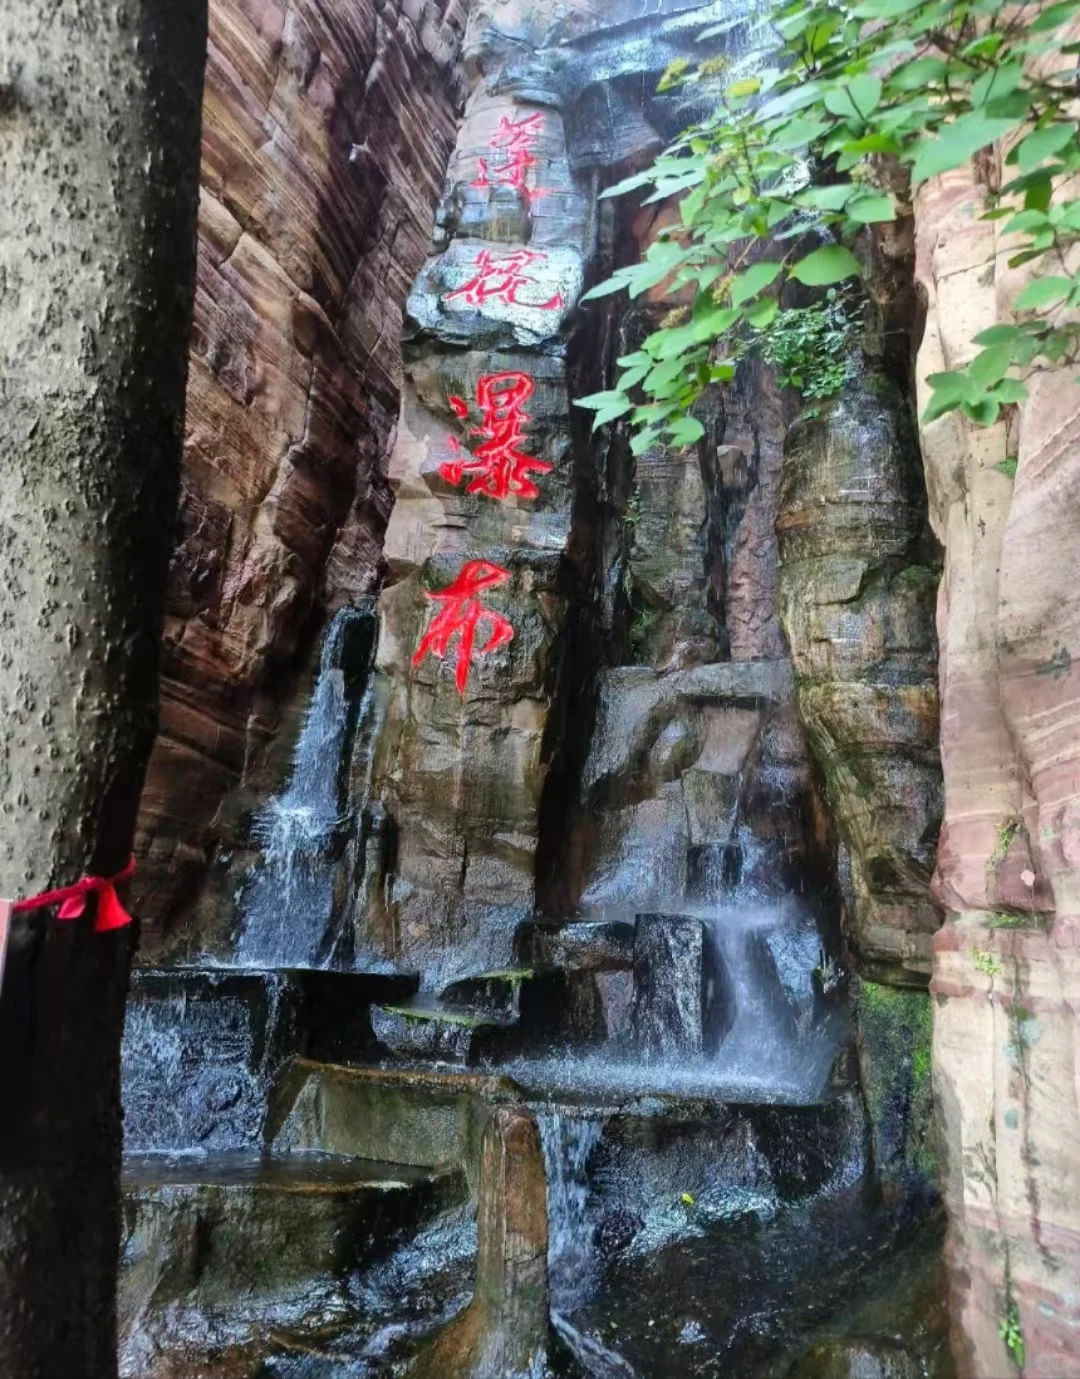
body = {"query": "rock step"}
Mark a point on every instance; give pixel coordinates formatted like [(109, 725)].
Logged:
[(490, 993), (428, 1028), (420, 1116), (249, 1226)]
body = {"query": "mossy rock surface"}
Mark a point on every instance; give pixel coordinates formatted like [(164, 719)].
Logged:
[(895, 1026)]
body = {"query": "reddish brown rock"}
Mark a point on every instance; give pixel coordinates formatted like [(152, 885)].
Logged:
[(327, 127), (1006, 964)]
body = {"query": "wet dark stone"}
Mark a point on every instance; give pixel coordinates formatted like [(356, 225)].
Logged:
[(200, 1054), (593, 945), (856, 1359), (497, 994), (669, 976), (616, 1229), (429, 1029)]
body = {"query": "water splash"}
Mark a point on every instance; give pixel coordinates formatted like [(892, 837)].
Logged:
[(568, 1142), (772, 1034)]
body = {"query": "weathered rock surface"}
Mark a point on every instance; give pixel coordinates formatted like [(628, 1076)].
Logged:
[(326, 131), (221, 1252), (856, 589), (1006, 969), (504, 1332), (669, 986)]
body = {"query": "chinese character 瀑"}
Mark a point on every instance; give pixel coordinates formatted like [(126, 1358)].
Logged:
[(500, 277), (497, 468), (461, 614), (513, 140)]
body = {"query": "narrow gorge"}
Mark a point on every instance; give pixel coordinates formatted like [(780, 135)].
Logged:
[(603, 914)]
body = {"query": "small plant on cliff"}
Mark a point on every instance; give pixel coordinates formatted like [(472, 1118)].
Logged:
[(810, 346), (1010, 1332), (777, 185)]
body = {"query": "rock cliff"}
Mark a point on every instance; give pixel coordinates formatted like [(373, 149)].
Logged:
[(1005, 501), (327, 127)]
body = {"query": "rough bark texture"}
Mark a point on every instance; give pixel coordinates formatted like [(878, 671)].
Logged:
[(327, 126), (99, 126), (1006, 968)]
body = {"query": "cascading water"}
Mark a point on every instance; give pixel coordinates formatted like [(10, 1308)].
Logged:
[(750, 1015), (568, 1142), (288, 902)]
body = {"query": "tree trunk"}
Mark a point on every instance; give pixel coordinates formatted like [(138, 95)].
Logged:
[(99, 143)]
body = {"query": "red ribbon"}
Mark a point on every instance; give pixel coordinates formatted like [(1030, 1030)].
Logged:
[(72, 900)]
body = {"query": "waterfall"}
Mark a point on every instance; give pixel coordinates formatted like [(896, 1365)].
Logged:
[(778, 1037), (288, 901), (568, 1142)]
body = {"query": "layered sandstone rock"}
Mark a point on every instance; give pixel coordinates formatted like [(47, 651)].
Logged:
[(1006, 964), (326, 131), (857, 582)]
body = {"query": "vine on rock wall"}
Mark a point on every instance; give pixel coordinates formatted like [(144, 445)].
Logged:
[(778, 183)]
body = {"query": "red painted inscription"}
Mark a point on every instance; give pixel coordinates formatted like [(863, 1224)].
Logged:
[(498, 467), (513, 144), (460, 616), (501, 276)]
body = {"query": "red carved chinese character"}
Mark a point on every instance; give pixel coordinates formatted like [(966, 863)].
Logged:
[(500, 277), (460, 616), (514, 140), (498, 468)]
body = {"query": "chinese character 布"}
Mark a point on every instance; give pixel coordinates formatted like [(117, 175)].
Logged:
[(460, 616)]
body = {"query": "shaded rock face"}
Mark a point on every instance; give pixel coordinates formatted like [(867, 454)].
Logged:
[(326, 131), (857, 583), (509, 514), (1006, 970)]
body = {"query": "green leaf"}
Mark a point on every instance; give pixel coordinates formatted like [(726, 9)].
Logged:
[(798, 133), (859, 97), (957, 143), (629, 184), (1054, 17), (607, 414), (829, 264), (916, 75), (763, 313), (989, 366), (830, 198), (596, 402), (616, 283), (686, 431), (952, 382), (1010, 390), (1027, 221), (750, 283), (1038, 191), (1043, 292), (644, 440), (631, 377), (1000, 335), (871, 209), (749, 86), (1043, 144), (984, 411), (999, 81), (713, 323)]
